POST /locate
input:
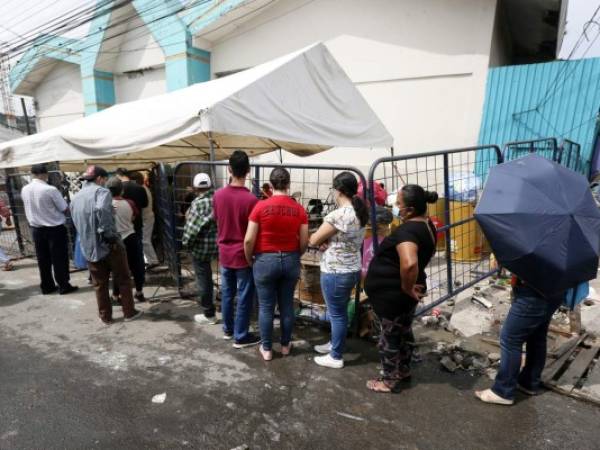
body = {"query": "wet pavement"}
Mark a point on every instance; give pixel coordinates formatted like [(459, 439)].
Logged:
[(66, 381)]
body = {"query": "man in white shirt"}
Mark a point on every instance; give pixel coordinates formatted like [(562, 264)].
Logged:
[(45, 209)]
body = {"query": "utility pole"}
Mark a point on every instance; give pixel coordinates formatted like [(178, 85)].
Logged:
[(25, 116)]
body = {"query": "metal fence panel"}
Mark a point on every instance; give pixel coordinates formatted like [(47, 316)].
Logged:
[(463, 256), (546, 147), (311, 185)]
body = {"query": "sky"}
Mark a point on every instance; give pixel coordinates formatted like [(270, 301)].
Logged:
[(580, 12)]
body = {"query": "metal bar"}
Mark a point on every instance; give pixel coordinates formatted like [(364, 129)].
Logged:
[(447, 219), (13, 208)]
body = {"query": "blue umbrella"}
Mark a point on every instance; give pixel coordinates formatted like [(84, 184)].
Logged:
[(542, 223)]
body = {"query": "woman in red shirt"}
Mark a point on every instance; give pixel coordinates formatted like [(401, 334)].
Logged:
[(277, 235)]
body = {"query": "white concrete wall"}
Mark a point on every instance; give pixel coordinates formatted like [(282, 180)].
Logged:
[(58, 97), (134, 86), (421, 64), (130, 56)]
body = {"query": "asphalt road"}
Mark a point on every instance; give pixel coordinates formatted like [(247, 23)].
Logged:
[(70, 402)]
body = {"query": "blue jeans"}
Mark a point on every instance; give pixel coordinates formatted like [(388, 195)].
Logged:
[(337, 288), (204, 280), (240, 282), (275, 276), (527, 322)]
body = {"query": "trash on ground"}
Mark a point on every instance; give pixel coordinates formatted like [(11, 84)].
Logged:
[(159, 398)]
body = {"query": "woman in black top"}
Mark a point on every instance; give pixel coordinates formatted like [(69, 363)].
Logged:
[(396, 282)]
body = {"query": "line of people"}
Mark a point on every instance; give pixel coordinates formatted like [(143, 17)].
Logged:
[(122, 215), (259, 245)]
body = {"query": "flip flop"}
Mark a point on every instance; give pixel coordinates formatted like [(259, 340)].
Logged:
[(489, 396), (8, 267)]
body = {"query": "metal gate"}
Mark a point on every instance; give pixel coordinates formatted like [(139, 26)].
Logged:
[(546, 147), (571, 156), (311, 185), (463, 257)]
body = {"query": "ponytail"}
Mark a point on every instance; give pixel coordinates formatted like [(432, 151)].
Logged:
[(361, 210), (346, 183)]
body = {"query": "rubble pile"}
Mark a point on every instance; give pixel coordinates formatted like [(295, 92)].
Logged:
[(454, 357)]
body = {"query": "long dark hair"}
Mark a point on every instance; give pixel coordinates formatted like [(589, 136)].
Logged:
[(346, 183), (416, 197)]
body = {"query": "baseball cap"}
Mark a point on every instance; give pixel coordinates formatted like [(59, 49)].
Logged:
[(93, 172), (202, 180)]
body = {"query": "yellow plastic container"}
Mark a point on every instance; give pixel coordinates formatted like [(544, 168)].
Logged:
[(467, 240)]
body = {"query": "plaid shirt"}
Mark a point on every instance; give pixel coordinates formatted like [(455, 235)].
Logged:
[(200, 231)]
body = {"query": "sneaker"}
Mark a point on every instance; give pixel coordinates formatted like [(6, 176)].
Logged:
[(248, 341), (137, 314), (328, 361), (203, 320), (139, 296), (267, 355), (489, 396), (323, 349), (68, 290), (227, 336), (105, 322)]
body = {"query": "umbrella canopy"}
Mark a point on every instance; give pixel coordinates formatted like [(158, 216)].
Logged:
[(542, 223), (302, 102)]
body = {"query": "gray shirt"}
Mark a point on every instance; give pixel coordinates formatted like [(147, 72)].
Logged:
[(92, 212)]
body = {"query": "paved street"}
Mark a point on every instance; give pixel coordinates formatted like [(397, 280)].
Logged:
[(69, 382)]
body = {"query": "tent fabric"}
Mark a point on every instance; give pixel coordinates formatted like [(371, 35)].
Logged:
[(302, 102)]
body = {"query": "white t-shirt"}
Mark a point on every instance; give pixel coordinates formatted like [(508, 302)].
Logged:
[(123, 217), (343, 253)]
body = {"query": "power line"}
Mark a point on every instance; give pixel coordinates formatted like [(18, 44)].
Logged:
[(145, 24)]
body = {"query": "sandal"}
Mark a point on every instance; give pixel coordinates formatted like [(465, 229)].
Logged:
[(379, 385), (8, 267), (286, 349)]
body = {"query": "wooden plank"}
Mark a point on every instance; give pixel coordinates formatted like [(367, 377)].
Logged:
[(569, 379), (555, 329), (552, 368), (564, 347), (591, 386)]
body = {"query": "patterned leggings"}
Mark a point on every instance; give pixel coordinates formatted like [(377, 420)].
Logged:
[(395, 347)]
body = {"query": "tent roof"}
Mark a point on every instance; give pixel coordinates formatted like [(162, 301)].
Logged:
[(302, 102)]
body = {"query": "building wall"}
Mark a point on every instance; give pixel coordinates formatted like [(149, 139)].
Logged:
[(58, 98), (142, 84), (421, 65), (557, 99)]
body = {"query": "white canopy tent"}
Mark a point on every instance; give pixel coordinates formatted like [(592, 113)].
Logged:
[(302, 102)]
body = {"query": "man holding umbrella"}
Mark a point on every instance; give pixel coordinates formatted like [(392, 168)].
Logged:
[(543, 225)]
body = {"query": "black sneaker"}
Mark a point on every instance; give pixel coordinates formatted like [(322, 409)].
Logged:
[(50, 291), (248, 341), (68, 290), (139, 296)]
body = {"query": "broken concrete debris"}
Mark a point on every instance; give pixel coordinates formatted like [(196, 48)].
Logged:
[(454, 356)]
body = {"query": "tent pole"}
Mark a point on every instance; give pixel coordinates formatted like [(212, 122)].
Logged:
[(213, 173)]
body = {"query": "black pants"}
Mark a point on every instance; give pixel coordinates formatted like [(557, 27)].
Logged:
[(135, 259), (52, 250)]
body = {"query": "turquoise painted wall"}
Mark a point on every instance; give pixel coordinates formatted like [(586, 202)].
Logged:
[(557, 99)]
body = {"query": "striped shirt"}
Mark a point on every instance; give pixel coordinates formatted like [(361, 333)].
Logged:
[(44, 206)]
